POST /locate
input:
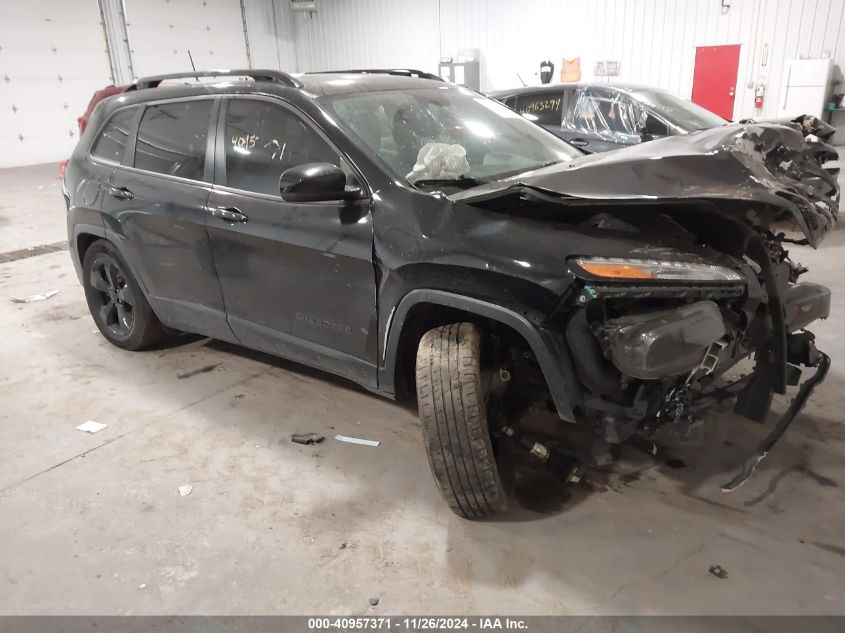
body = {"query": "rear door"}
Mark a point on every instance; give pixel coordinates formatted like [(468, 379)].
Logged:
[(298, 279), (109, 151), (155, 210)]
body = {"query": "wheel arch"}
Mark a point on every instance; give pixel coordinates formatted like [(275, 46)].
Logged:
[(86, 234), (83, 236), (422, 309)]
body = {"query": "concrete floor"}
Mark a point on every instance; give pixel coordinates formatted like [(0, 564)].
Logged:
[(94, 523)]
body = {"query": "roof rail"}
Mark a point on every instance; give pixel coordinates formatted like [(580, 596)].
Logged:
[(404, 72), (274, 76)]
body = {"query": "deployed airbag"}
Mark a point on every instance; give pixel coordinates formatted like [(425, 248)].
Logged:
[(440, 161)]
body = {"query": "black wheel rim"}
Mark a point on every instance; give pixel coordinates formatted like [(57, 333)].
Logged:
[(114, 297)]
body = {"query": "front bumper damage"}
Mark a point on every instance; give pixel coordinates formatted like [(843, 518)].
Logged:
[(822, 364), (687, 349)]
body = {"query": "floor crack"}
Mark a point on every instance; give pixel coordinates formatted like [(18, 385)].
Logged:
[(62, 463), (663, 572)]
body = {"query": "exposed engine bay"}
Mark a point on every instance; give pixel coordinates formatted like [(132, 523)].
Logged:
[(698, 276)]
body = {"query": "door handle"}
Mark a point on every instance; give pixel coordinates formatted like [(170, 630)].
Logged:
[(580, 142), (230, 214), (121, 193)]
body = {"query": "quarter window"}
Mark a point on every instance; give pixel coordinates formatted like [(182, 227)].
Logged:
[(111, 143), (172, 138), (263, 140)]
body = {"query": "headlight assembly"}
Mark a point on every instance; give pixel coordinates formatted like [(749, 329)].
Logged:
[(625, 269)]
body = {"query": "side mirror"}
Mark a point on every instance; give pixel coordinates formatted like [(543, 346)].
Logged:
[(315, 182)]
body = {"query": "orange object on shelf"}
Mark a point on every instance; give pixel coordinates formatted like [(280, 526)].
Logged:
[(571, 70)]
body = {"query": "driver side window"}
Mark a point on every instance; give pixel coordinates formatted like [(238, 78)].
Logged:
[(263, 139)]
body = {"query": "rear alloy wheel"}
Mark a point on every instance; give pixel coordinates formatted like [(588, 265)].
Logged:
[(115, 300), (453, 411)]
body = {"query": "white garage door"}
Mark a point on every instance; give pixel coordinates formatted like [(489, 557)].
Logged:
[(161, 32), (52, 59)]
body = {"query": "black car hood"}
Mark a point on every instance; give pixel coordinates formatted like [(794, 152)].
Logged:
[(769, 166)]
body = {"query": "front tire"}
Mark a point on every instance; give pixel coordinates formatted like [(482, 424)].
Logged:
[(118, 306), (451, 404)]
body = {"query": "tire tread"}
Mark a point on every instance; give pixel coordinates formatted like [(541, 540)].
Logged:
[(454, 421)]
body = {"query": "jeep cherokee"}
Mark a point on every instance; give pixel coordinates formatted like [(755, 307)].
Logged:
[(417, 237)]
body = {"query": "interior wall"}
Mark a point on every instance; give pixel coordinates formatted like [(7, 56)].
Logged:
[(54, 54), (348, 34), (654, 40)]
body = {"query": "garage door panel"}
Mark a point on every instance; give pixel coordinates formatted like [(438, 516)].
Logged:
[(41, 65), (161, 33), (191, 18), (35, 103), (47, 11)]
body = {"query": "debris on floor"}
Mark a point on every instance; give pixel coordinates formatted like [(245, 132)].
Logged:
[(306, 438), (91, 427), (31, 298), (143, 585), (185, 489), (356, 440), (718, 571), (373, 602)]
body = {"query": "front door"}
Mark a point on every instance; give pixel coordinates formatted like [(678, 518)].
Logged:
[(298, 279), (714, 78)]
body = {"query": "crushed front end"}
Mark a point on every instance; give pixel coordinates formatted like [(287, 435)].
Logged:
[(693, 297), (654, 336), (653, 339)]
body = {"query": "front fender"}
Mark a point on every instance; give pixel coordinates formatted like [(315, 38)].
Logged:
[(548, 347)]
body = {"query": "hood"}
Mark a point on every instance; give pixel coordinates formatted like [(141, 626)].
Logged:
[(770, 166)]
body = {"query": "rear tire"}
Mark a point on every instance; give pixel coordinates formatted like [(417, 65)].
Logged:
[(118, 306), (452, 409)]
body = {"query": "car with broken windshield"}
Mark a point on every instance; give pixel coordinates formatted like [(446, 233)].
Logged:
[(599, 117), (427, 242)]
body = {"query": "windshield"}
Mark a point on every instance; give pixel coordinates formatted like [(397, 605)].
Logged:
[(446, 133), (685, 114)]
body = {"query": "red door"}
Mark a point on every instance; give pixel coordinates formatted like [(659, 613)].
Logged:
[(714, 80)]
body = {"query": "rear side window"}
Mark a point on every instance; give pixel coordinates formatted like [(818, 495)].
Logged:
[(546, 106), (263, 140), (604, 113), (112, 140), (172, 138)]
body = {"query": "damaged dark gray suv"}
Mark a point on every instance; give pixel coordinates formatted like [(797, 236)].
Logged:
[(419, 238)]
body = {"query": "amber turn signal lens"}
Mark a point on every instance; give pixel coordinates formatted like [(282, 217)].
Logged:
[(615, 270)]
